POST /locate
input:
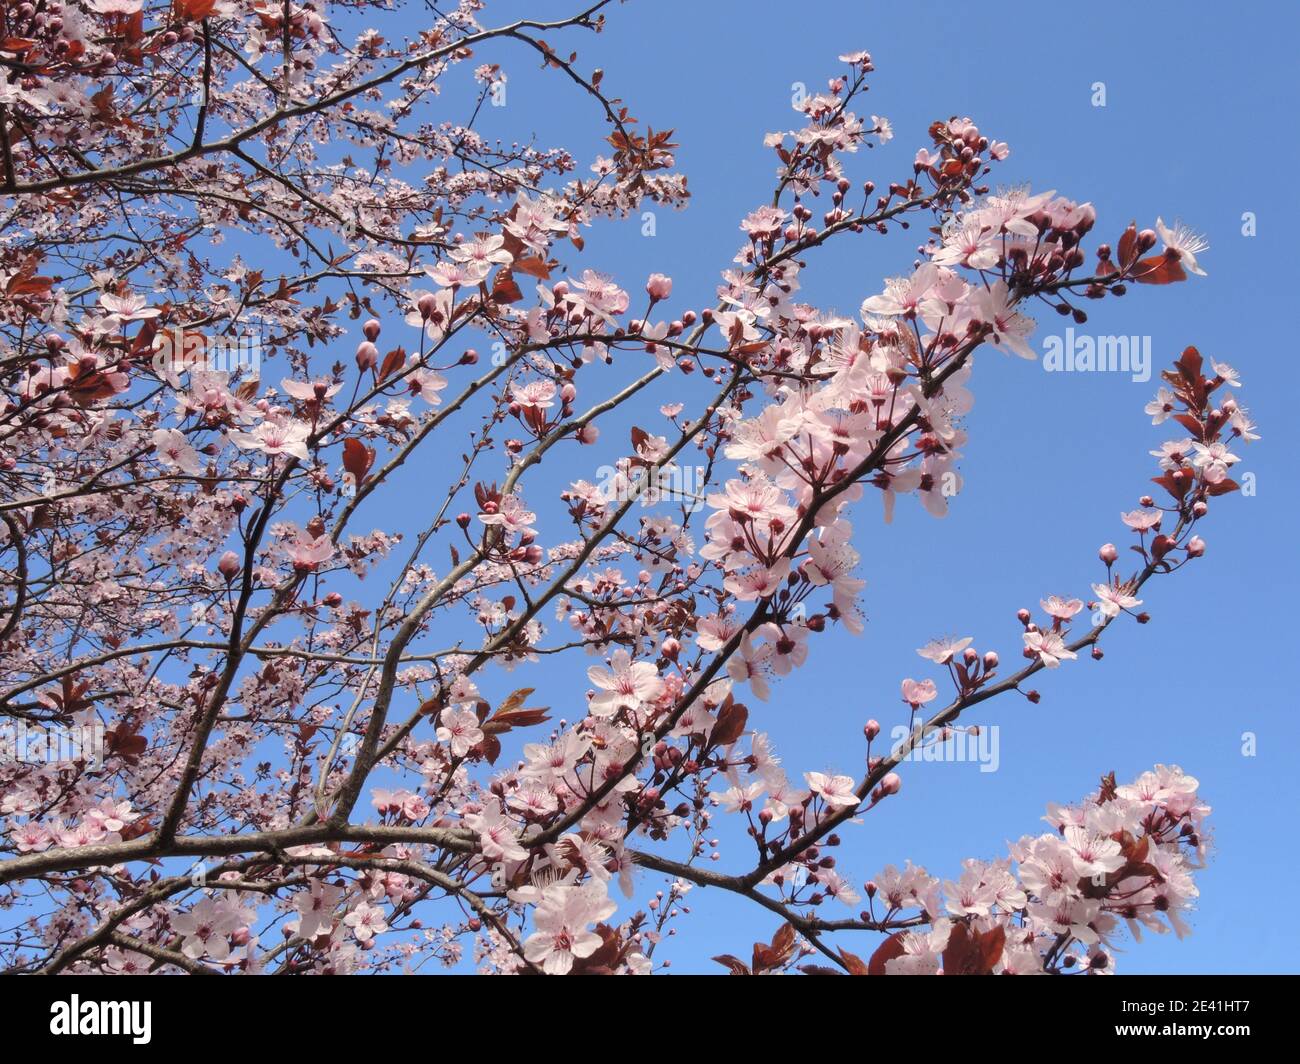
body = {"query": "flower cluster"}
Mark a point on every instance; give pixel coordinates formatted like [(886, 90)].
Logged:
[(277, 523)]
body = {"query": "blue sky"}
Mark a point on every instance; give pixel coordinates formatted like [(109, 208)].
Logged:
[(1194, 126)]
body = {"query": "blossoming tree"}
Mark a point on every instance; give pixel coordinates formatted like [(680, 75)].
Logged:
[(299, 772)]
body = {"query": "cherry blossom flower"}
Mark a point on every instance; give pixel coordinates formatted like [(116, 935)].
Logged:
[(917, 694), (1184, 243), (511, 516), (315, 391), (1161, 407), (942, 651), (833, 790), (1061, 609), (625, 685), (275, 438), (1142, 520), (1049, 647), (496, 834), (562, 936), (1111, 599), (316, 907), (307, 553), (174, 450), (366, 921), (128, 307), (460, 727), (206, 929)]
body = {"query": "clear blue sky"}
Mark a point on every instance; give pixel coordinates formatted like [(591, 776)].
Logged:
[(1196, 124)]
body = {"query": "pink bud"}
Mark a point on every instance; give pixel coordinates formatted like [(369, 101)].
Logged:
[(872, 729), (659, 287), (990, 661), (367, 355), (1195, 547), (891, 784), (1108, 553), (229, 565), (371, 329)]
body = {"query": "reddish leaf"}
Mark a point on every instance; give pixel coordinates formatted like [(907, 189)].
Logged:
[(504, 289), (193, 10), (503, 721), (972, 953), (732, 718), (393, 361), (1128, 246), (534, 266), (1159, 269), (489, 749), (777, 953), (1190, 362), (357, 460)]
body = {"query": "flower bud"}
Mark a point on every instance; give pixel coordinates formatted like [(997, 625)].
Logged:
[(229, 565), (872, 729), (371, 329), (659, 287), (1195, 547), (367, 355), (1108, 553)]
